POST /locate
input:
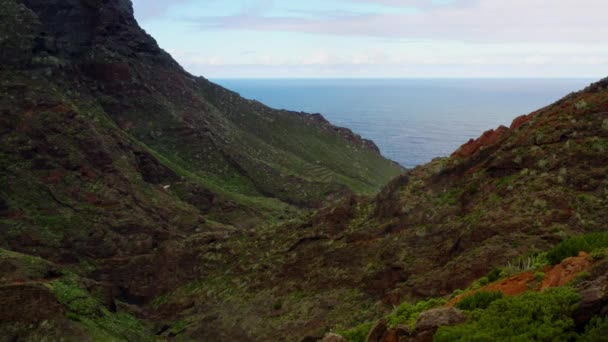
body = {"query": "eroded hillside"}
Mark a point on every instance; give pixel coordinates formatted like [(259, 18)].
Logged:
[(120, 170), (512, 192), (139, 202)]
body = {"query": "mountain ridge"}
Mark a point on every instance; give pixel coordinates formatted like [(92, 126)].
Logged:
[(139, 202)]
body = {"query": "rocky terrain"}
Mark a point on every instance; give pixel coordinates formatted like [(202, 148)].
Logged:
[(139, 202)]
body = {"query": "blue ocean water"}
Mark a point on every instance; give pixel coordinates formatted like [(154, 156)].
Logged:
[(411, 120)]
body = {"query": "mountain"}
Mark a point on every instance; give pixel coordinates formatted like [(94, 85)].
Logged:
[(512, 193), (116, 163), (139, 202)]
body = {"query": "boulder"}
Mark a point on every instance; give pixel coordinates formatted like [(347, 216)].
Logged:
[(377, 332), (429, 321), (594, 300)]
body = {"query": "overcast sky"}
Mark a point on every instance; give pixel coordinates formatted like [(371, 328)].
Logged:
[(382, 38)]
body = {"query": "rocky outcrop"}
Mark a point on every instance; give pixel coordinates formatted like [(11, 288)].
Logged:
[(488, 138), (566, 271), (378, 331), (429, 321), (594, 295), (426, 326)]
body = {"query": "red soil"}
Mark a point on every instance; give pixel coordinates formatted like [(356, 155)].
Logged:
[(555, 276)]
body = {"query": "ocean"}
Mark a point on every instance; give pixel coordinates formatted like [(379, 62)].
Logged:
[(411, 120)]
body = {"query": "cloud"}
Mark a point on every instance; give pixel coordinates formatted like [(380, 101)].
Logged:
[(483, 21), (147, 9)]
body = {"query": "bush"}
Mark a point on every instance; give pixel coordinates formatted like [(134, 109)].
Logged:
[(478, 300), (533, 316), (596, 330), (358, 333), (574, 245), (494, 275), (407, 313)]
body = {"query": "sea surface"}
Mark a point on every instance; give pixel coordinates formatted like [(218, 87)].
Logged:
[(411, 120)]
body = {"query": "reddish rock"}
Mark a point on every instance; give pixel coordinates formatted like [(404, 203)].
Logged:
[(520, 120), (488, 138), (566, 271)]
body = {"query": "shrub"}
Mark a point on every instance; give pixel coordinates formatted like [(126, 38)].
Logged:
[(574, 245), (358, 333), (494, 275), (596, 330), (478, 300), (533, 316), (407, 313)]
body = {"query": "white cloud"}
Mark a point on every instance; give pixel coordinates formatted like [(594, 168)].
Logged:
[(485, 21)]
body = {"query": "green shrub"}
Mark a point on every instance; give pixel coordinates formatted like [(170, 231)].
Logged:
[(596, 330), (358, 333), (574, 245), (539, 276), (494, 275), (533, 316), (478, 300), (407, 313)]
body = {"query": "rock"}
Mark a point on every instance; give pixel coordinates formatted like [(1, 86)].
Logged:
[(594, 300), (429, 321), (377, 332), (566, 271), (333, 338), (521, 120), (488, 138), (402, 331)]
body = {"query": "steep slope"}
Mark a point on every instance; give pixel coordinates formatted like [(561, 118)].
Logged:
[(512, 192), (96, 48), (122, 170)]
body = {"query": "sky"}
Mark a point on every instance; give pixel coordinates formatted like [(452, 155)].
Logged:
[(382, 38)]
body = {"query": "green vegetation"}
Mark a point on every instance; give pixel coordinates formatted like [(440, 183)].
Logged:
[(533, 316), (479, 300), (407, 313), (596, 330), (99, 322), (358, 333), (526, 263), (574, 245), (76, 299), (451, 197)]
